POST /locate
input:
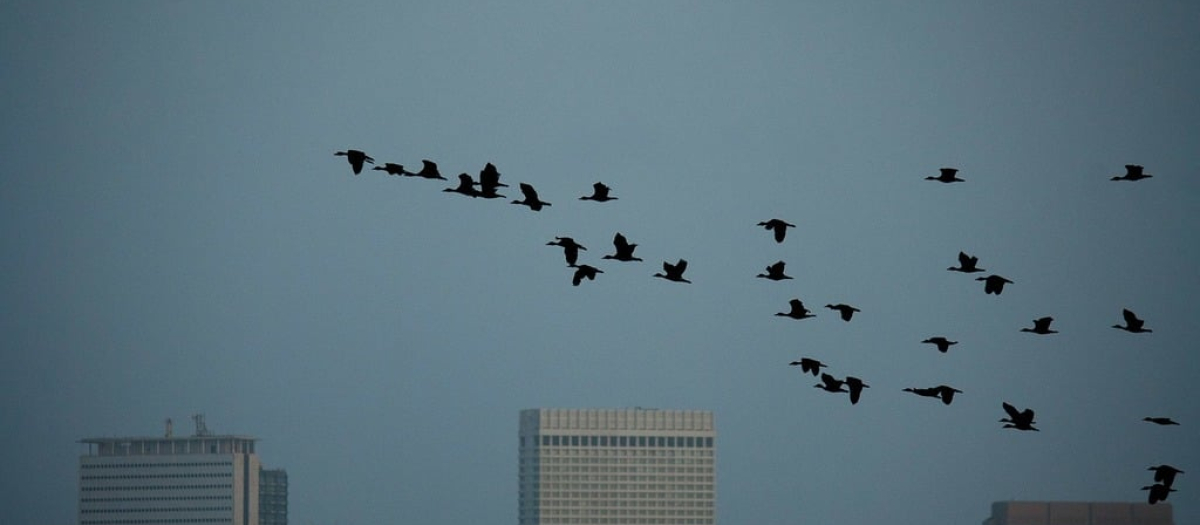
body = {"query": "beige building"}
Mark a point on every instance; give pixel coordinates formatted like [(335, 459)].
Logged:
[(617, 466), (1079, 513)]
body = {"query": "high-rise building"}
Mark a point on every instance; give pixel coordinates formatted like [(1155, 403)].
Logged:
[(617, 466), (1079, 513), (272, 497), (197, 479)]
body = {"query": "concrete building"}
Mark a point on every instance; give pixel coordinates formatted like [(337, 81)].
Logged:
[(1079, 513), (272, 497), (172, 480), (616, 466)]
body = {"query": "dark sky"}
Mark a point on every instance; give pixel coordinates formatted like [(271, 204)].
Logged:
[(179, 238)]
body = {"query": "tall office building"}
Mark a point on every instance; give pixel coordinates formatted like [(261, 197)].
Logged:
[(272, 497), (1079, 513), (620, 466), (198, 479)]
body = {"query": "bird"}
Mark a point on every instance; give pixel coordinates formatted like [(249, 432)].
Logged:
[(1165, 474), (846, 310), (798, 310), (1020, 420), (830, 384), (946, 393), (674, 272), (489, 180), (1041, 326), (993, 284), (355, 158), (775, 272), (1158, 492), (429, 170), (966, 264), (391, 168), (624, 249), (1132, 323), (942, 343), (1161, 420), (809, 365), (926, 392), (570, 248), (1133, 173), (947, 176), (466, 186), (856, 387), (599, 193), (778, 226), (531, 198), (585, 271)]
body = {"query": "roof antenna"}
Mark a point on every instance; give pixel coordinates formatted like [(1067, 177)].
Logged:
[(201, 429), (169, 427)]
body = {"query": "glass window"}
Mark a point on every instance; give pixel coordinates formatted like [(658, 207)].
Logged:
[(575, 441), (604, 441), (641, 441), (554, 440), (623, 442)]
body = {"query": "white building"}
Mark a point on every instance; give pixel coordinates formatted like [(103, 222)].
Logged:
[(619, 466), (169, 480)]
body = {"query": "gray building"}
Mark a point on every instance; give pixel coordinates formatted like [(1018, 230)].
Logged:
[(272, 497), (616, 466), (1079, 513)]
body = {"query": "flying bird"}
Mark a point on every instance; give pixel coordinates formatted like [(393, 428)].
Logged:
[(993, 284), (531, 198), (1020, 420), (489, 181), (674, 272), (1160, 420), (846, 310), (966, 264), (585, 271), (355, 158), (1132, 323), (624, 249), (570, 248), (856, 387), (943, 392), (466, 186), (778, 226), (830, 384), (926, 392), (1133, 173), (1041, 326), (391, 168), (1158, 492), (798, 310), (599, 193), (429, 170), (1165, 474), (947, 176), (942, 343), (809, 365), (775, 272)]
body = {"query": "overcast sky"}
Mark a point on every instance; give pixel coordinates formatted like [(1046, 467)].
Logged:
[(179, 238)]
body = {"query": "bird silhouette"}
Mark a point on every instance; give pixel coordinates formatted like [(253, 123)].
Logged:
[(1160, 420), (947, 176), (775, 272), (966, 264), (585, 271), (1165, 474), (1041, 326), (778, 226), (942, 343), (531, 198), (391, 168), (1132, 323), (798, 310), (429, 170), (1133, 173), (624, 249), (355, 158), (808, 365), (674, 272), (846, 310), (993, 284), (1158, 492), (1020, 420), (830, 384), (856, 387), (926, 392), (570, 248), (466, 186), (943, 392), (599, 193), (489, 181)]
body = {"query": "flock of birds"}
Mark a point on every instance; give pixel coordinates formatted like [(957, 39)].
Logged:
[(488, 185)]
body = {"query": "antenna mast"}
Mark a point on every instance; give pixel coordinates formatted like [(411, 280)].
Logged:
[(201, 429)]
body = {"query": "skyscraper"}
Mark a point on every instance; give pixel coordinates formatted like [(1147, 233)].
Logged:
[(196, 479), (616, 466)]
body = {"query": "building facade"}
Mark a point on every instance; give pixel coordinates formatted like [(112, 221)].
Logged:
[(616, 467), (272, 497), (201, 479), (1079, 513)]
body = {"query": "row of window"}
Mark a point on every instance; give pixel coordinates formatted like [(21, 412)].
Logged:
[(623, 512), (155, 465), (618, 499), (669, 468), (181, 521), (161, 476), (553, 453), (157, 509), (626, 521), (155, 498), (160, 487), (626, 441), (702, 493)]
